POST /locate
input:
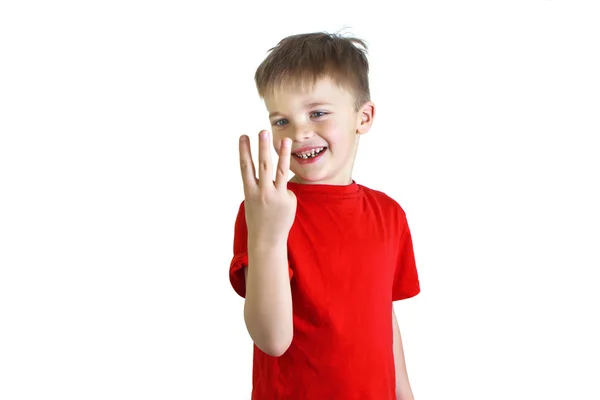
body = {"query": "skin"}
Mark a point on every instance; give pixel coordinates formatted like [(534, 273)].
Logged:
[(336, 125), (270, 210), (403, 388), (296, 122)]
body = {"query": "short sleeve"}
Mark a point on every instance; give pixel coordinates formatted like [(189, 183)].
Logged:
[(240, 254), (406, 278)]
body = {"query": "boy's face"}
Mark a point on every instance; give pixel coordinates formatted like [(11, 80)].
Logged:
[(324, 128)]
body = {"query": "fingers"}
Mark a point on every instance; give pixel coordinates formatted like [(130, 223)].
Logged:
[(246, 164), (265, 167), (283, 166)]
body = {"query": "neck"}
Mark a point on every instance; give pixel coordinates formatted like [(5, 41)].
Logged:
[(344, 182)]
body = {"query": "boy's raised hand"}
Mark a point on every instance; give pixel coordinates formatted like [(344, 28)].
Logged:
[(270, 206)]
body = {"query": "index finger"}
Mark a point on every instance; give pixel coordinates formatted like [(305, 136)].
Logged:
[(246, 164), (283, 165)]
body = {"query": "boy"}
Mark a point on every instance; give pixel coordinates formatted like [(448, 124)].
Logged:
[(320, 259)]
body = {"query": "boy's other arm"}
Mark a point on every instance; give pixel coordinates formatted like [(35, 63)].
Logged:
[(403, 389)]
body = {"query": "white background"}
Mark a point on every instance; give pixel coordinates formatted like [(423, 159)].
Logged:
[(119, 187)]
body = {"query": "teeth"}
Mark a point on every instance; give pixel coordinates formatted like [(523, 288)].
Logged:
[(311, 153)]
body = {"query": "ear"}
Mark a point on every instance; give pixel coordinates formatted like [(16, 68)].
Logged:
[(366, 114)]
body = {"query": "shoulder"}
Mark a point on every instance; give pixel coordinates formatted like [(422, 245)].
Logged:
[(383, 200)]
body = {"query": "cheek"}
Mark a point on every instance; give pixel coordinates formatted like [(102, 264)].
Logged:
[(337, 135), (330, 131)]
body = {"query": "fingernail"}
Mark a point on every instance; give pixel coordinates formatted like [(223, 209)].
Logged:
[(263, 134), (286, 142)]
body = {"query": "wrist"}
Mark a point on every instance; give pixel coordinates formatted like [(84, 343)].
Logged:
[(266, 249)]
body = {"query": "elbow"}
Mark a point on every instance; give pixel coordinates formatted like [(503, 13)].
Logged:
[(274, 345), (272, 337), (272, 332), (276, 348)]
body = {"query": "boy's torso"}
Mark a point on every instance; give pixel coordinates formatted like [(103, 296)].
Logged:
[(343, 253)]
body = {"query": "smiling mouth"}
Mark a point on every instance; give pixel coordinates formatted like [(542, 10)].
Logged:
[(305, 155)]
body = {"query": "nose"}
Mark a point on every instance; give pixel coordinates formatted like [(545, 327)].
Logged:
[(301, 133)]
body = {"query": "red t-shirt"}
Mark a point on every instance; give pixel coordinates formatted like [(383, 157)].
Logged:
[(350, 255)]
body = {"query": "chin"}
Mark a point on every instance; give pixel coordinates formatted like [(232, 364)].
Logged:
[(308, 178), (312, 178)]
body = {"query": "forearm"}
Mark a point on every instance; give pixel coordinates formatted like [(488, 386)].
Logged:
[(403, 389), (268, 304)]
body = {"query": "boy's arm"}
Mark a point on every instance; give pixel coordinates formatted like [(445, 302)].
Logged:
[(270, 209), (403, 389), (268, 305)]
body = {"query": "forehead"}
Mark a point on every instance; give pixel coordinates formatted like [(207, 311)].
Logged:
[(325, 90)]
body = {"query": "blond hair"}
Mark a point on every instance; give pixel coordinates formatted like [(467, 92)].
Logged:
[(302, 59)]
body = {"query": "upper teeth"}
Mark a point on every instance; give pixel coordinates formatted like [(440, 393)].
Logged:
[(310, 153)]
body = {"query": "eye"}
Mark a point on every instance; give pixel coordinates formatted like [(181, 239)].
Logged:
[(277, 123), (319, 112)]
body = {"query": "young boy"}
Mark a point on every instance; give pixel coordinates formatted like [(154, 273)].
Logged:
[(319, 259)]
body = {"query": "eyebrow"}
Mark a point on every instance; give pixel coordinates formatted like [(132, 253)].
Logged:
[(309, 105)]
